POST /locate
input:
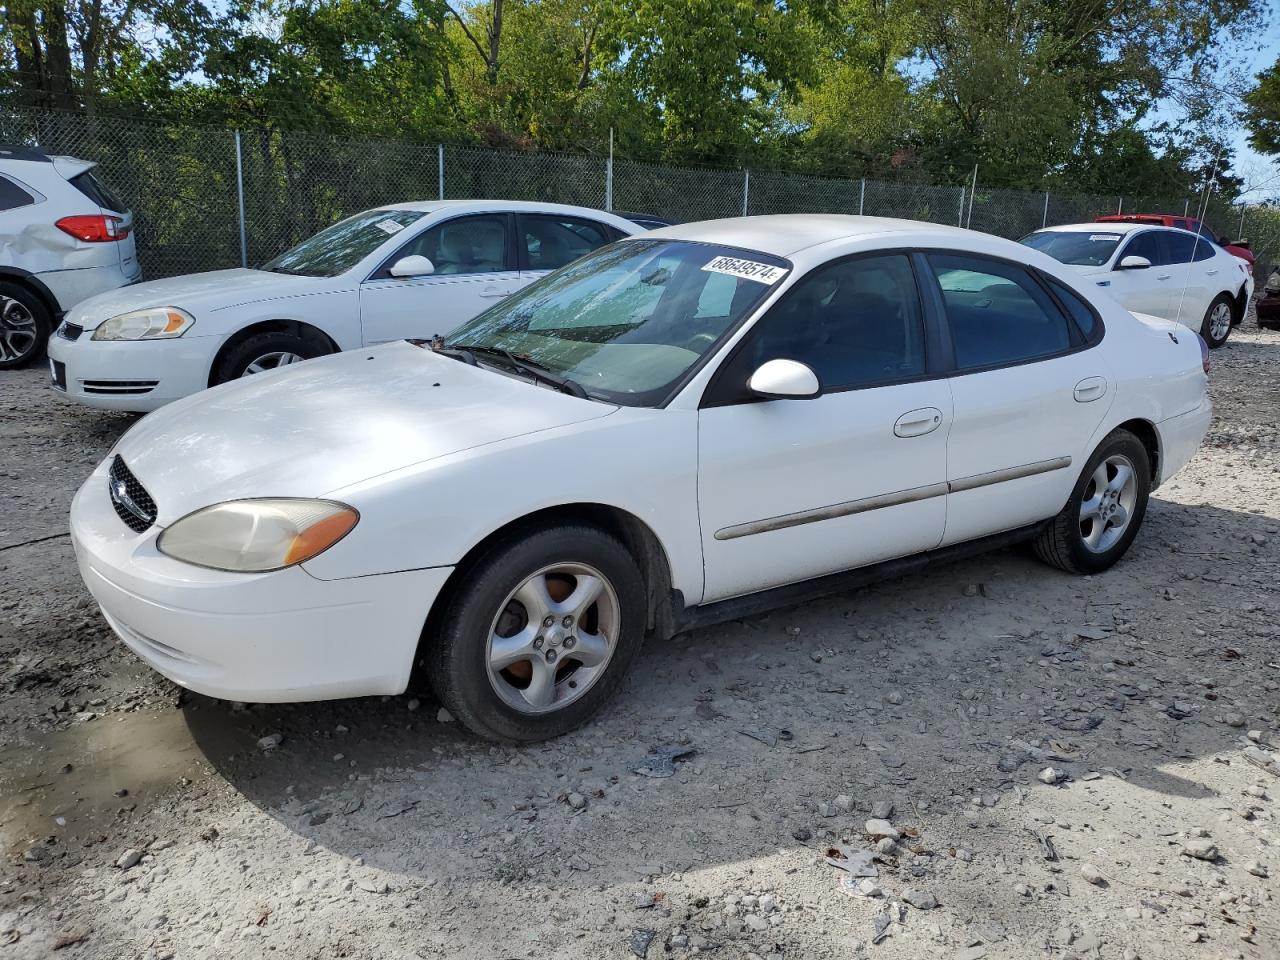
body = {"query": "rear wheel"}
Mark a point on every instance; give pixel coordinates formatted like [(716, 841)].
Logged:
[(1216, 326), (539, 634), (25, 325), (1105, 510)]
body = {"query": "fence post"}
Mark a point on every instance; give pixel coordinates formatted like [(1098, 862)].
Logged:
[(862, 195), (1044, 221), (960, 215), (608, 176), (1186, 206), (1120, 207), (440, 167), (746, 190), (244, 243), (1240, 234)]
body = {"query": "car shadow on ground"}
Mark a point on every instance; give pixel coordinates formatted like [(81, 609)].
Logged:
[(932, 691)]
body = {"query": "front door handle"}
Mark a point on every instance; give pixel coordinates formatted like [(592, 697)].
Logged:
[(494, 293), (916, 423), (1091, 388), (1164, 276), (1212, 273)]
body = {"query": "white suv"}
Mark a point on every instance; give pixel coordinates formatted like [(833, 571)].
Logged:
[(64, 237)]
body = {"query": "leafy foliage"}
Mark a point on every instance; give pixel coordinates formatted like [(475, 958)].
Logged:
[(1036, 93)]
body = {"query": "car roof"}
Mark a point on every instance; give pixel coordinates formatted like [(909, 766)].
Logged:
[(1108, 227), (480, 206), (786, 234)]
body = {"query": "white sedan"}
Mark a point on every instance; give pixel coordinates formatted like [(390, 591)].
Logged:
[(686, 426), (1157, 270), (406, 270)]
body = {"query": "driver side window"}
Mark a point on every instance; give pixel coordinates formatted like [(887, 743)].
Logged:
[(855, 323), (463, 245)]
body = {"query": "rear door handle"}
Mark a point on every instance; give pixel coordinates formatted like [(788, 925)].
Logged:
[(494, 293), (1091, 388), (1212, 273), (916, 423), (1164, 276)]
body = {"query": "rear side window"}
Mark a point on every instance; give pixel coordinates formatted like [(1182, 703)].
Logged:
[(1204, 249), (13, 196), (998, 314), (95, 188), (1085, 320), (551, 242)]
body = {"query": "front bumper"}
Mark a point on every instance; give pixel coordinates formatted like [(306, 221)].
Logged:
[(265, 638), (137, 375)]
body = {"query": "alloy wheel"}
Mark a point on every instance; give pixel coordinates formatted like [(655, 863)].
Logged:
[(1106, 509), (1220, 321), (270, 361), (553, 637), (18, 330)]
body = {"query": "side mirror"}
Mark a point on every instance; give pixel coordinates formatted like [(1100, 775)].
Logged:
[(1133, 263), (414, 265), (784, 380)]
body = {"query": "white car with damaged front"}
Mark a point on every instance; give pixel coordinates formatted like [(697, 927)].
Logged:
[(404, 270), (684, 426)]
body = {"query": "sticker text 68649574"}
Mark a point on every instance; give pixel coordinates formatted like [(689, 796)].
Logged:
[(747, 269)]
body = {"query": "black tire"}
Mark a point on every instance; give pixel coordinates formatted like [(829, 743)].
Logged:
[(25, 325), (235, 363), (457, 657), (1206, 324), (1062, 544)]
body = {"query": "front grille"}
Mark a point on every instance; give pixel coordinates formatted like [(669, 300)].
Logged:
[(70, 331), (130, 499)]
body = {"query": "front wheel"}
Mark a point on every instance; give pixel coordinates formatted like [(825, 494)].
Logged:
[(266, 351), (1216, 326), (1105, 509), (539, 633)]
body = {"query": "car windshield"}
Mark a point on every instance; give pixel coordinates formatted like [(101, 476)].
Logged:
[(630, 320), (337, 249), (1077, 249)]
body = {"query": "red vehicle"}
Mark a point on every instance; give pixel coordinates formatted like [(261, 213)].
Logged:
[(1268, 303), (1239, 248)]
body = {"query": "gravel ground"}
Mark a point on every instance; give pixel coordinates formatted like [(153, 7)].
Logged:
[(139, 821)]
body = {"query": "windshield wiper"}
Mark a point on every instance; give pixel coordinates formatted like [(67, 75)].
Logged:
[(523, 365)]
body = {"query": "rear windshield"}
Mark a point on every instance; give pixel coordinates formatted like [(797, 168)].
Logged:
[(1077, 249), (337, 249), (91, 184)]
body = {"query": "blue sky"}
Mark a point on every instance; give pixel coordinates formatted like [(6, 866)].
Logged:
[(1263, 172)]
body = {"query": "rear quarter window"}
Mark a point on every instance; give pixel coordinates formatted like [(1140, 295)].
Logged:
[(13, 196), (95, 188)]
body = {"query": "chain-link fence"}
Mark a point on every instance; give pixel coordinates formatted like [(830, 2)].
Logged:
[(206, 198)]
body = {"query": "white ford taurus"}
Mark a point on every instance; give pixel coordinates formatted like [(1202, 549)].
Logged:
[(684, 426)]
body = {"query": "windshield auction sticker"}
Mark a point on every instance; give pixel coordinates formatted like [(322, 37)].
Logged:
[(747, 269), (389, 226), (1104, 237)]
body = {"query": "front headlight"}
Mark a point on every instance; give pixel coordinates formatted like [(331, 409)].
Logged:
[(253, 536), (155, 323)]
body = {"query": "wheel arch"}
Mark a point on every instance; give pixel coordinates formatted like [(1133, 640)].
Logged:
[(299, 328), (1146, 432), (33, 283), (636, 535)]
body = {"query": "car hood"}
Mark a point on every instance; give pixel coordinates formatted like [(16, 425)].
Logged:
[(197, 293), (309, 429)]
